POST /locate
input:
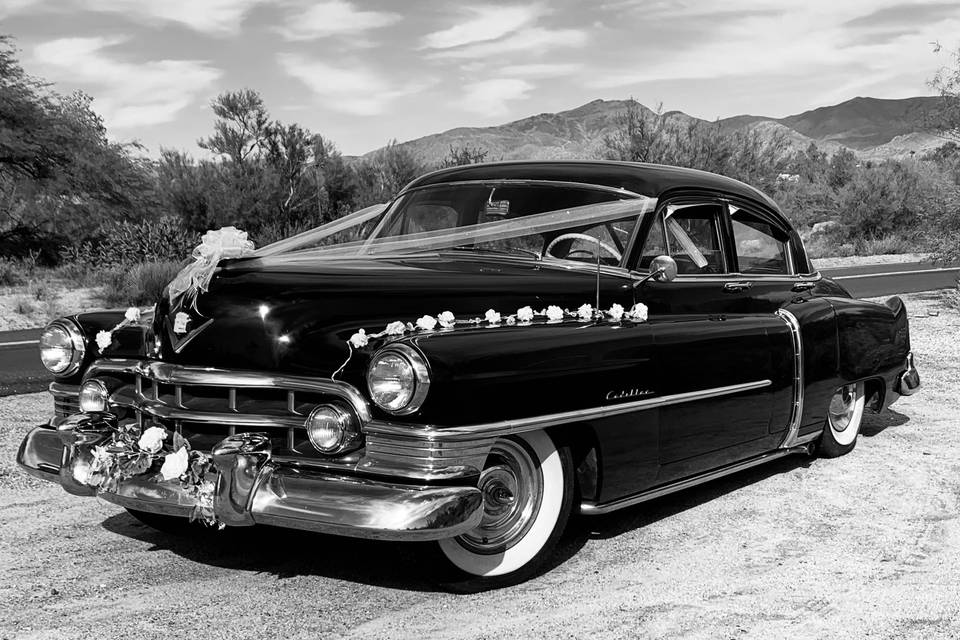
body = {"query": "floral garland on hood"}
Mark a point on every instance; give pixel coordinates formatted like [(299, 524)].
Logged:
[(128, 453), (524, 316)]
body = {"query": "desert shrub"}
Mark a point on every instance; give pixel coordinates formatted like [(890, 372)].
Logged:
[(23, 305), (137, 286), (12, 272), (121, 244)]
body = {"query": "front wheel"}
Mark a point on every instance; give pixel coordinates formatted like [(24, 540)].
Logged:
[(843, 421), (528, 489)]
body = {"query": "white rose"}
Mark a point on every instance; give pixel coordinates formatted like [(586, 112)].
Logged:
[(491, 316), (427, 323), (132, 315), (101, 459), (180, 322), (447, 320), (511, 319), (554, 313), (359, 339), (585, 312), (638, 313), (616, 312), (151, 441), (395, 328), (175, 464), (104, 338), (525, 314)]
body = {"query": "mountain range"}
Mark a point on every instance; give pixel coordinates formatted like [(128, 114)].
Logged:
[(871, 127)]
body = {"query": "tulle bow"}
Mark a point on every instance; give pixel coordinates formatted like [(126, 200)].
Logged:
[(226, 242)]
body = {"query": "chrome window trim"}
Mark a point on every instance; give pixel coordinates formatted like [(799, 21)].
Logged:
[(796, 411), (520, 181)]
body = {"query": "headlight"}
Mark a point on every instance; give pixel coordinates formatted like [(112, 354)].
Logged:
[(62, 347), (93, 396), (329, 427), (398, 379)]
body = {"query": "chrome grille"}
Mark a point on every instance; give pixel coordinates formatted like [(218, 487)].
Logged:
[(403, 450), (206, 405), (66, 401)]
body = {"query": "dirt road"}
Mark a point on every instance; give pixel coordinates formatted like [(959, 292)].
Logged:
[(863, 546)]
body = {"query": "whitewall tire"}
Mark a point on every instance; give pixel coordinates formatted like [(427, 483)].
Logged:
[(844, 416), (527, 488)]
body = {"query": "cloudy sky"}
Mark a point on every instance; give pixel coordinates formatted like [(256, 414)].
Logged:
[(364, 71)]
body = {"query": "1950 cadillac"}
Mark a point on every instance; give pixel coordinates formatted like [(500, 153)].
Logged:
[(500, 347)]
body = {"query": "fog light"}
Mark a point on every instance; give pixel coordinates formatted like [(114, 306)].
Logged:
[(93, 396), (329, 427)]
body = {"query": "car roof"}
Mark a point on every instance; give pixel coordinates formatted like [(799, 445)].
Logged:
[(652, 180)]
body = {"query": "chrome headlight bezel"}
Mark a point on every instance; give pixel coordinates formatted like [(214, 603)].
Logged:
[(345, 426), (421, 378), (77, 341)]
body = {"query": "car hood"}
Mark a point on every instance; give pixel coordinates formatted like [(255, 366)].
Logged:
[(294, 315)]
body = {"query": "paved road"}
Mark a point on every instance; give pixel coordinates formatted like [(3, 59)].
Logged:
[(21, 371)]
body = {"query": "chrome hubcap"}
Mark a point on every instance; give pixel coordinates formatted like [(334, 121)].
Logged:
[(842, 407), (512, 489)]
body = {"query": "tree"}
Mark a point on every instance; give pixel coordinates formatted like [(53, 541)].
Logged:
[(242, 127), (58, 170), (463, 155), (946, 82)]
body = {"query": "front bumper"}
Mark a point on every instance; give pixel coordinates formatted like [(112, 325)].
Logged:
[(253, 489)]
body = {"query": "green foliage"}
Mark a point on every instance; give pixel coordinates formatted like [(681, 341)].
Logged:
[(121, 244), (139, 285), (463, 155), (58, 170)]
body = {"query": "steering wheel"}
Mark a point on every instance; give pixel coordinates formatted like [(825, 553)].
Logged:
[(581, 236)]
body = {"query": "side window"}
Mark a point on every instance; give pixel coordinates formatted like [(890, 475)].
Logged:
[(693, 238), (761, 248)]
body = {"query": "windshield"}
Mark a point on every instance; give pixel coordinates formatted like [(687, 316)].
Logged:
[(557, 220)]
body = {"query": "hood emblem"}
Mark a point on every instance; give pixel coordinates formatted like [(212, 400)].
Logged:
[(183, 326)]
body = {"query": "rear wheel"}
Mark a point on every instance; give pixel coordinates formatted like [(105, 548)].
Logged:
[(843, 421), (527, 488)]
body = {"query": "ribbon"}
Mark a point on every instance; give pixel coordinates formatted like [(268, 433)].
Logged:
[(226, 242)]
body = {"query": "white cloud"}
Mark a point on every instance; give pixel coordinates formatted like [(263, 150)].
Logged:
[(544, 70), (358, 90), (334, 18), (128, 95), (208, 16), (490, 97), (486, 23), (532, 41)]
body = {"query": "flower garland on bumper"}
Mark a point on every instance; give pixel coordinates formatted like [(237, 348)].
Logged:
[(128, 453)]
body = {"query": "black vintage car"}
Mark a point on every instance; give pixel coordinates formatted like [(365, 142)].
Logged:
[(502, 346)]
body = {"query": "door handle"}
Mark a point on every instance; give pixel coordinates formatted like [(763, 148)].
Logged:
[(736, 287), (803, 286)]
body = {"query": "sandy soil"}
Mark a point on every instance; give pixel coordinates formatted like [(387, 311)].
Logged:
[(867, 545), (26, 307)]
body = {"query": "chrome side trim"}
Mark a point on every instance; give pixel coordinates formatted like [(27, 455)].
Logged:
[(796, 412), (593, 508), (207, 376), (520, 425)]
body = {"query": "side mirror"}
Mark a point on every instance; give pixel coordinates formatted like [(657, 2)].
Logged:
[(662, 269)]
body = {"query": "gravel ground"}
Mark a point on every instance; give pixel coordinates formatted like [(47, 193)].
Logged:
[(867, 545), (855, 261)]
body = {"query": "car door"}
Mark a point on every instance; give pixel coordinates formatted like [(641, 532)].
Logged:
[(710, 339)]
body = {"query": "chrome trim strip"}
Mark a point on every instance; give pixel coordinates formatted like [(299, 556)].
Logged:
[(60, 390), (521, 181), (593, 508), (520, 425), (796, 411), (207, 376)]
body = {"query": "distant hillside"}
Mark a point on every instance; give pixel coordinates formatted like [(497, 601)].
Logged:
[(872, 127)]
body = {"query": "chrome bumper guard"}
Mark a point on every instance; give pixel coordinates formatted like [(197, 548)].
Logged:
[(908, 382), (252, 488)]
